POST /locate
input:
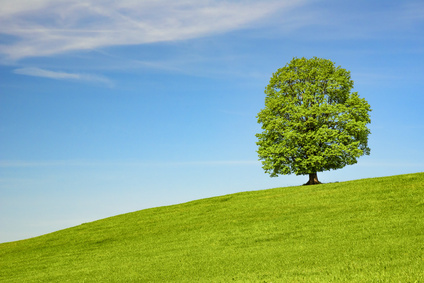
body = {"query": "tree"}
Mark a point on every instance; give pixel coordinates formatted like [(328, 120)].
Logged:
[(311, 122)]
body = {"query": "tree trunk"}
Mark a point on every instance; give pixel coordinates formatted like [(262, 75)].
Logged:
[(313, 179)]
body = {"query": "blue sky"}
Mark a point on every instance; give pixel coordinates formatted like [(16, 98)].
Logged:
[(108, 107)]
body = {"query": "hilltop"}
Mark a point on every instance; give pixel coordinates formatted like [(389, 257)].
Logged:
[(363, 230)]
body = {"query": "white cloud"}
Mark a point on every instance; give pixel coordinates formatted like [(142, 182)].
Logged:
[(46, 27), (37, 72)]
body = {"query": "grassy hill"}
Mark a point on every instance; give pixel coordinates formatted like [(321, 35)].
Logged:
[(365, 231)]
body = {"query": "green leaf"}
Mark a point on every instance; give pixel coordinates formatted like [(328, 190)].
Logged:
[(311, 122)]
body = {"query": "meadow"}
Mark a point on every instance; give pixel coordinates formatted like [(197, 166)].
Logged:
[(369, 230)]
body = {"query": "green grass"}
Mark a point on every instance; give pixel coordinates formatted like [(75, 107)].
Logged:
[(369, 230)]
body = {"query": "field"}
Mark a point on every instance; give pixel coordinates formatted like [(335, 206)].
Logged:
[(369, 230)]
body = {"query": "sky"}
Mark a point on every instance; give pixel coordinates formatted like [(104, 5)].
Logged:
[(108, 107)]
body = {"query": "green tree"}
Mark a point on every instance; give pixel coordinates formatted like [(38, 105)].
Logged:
[(311, 122)]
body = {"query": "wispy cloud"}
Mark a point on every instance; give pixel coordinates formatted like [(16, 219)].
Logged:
[(47, 27), (84, 163), (37, 72)]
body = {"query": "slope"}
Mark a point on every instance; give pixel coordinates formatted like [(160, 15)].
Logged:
[(364, 230)]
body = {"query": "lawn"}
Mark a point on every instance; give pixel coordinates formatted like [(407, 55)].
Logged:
[(368, 230)]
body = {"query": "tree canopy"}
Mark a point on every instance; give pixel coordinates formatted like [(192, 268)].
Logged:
[(312, 122)]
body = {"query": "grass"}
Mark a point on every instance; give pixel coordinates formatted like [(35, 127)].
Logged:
[(369, 230)]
